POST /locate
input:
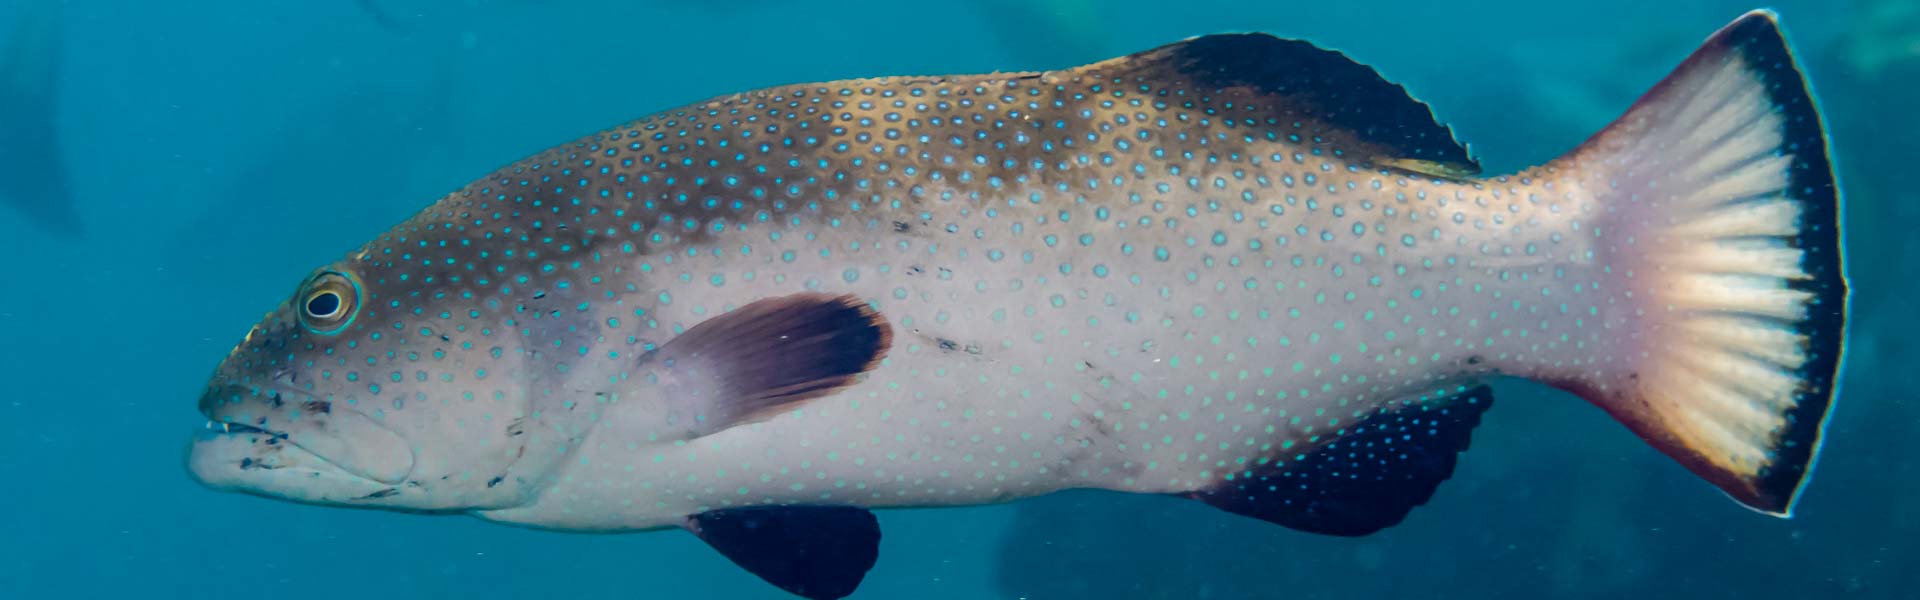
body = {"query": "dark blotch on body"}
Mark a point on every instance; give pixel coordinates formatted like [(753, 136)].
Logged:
[(385, 493)]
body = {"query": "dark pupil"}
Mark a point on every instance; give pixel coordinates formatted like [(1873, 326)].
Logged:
[(324, 304)]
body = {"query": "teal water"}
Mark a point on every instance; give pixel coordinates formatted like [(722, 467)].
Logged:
[(216, 151)]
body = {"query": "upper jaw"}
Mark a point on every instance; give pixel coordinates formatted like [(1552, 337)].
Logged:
[(228, 412), (225, 406)]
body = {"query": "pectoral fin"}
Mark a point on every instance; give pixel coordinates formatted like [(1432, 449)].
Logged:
[(763, 358), (817, 552)]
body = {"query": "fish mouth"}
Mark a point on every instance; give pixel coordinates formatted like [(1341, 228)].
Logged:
[(269, 421), (230, 428), (219, 422)]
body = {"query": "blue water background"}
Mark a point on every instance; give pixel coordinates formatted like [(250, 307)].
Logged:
[(220, 149)]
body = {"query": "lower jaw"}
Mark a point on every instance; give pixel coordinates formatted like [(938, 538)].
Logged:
[(242, 462)]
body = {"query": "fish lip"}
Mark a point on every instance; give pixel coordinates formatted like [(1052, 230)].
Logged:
[(232, 428)]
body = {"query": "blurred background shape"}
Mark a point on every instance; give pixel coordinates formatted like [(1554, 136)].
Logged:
[(33, 166)]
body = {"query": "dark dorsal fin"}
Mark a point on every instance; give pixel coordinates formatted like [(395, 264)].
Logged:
[(1294, 81), (765, 357), (1368, 476), (817, 552)]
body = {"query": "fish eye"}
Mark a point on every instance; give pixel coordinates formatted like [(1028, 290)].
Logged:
[(328, 302), (324, 304)]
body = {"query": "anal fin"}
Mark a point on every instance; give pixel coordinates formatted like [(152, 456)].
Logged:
[(816, 552), (1367, 477)]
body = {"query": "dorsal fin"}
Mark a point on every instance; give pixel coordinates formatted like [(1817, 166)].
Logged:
[(1368, 476), (1292, 81)]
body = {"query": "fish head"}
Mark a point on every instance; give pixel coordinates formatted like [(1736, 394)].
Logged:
[(374, 386)]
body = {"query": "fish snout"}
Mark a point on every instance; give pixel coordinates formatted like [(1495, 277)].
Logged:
[(259, 366)]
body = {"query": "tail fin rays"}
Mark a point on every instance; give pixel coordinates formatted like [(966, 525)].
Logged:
[(1718, 181)]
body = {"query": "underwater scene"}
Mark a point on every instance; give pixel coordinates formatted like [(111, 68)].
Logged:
[(1035, 299)]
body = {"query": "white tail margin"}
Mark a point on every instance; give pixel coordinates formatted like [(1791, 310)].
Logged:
[(1725, 217)]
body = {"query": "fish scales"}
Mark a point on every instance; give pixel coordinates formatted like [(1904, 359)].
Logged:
[(1132, 289), (1128, 293)]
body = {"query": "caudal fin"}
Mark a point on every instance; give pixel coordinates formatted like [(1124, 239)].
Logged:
[(1721, 221)]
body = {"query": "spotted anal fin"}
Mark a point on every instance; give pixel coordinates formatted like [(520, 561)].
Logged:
[(765, 357), (1283, 85), (817, 552), (1362, 478)]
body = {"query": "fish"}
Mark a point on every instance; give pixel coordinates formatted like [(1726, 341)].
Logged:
[(380, 16), (35, 181), (1237, 269)]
